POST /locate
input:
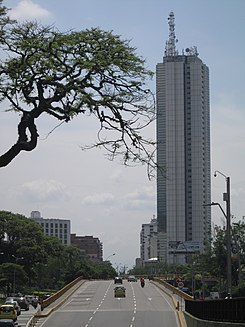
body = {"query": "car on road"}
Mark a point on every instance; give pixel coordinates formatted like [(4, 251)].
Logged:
[(15, 304), (7, 311), (119, 291), (132, 278), (32, 299), (23, 303), (118, 280), (7, 323)]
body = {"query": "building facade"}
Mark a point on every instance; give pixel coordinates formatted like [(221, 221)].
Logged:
[(89, 246), (183, 152), (148, 241), (60, 228)]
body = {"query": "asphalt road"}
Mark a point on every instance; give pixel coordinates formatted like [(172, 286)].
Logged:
[(94, 305), (25, 316)]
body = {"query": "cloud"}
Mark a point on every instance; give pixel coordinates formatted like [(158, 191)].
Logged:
[(42, 191), (27, 9), (98, 198), (117, 176), (139, 199)]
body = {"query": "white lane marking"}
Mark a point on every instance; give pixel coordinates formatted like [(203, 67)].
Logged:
[(94, 312), (135, 305)]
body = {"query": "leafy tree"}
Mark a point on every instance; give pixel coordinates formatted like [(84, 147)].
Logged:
[(44, 259), (4, 20), (63, 75), (12, 278), (20, 237), (220, 250)]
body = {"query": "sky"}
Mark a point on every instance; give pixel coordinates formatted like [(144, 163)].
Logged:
[(104, 198)]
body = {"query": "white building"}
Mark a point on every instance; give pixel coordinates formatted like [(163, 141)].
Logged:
[(148, 241), (60, 228), (183, 153)]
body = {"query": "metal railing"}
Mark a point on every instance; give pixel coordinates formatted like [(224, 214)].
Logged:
[(223, 310), (34, 319)]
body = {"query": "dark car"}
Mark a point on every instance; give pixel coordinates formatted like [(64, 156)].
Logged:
[(23, 303), (21, 300), (118, 280), (32, 299), (7, 323)]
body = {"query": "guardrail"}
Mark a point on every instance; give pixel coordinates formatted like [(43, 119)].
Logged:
[(51, 299), (174, 289), (34, 319), (55, 296)]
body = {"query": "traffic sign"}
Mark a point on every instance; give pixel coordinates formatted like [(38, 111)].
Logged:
[(180, 284)]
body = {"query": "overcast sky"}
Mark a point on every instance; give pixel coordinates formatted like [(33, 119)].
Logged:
[(103, 198)]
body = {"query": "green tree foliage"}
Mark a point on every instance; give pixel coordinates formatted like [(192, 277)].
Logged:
[(28, 259), (63, 75), (220, 251), (12, 278), (20, 237)]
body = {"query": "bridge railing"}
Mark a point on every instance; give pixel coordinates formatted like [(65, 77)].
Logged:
[(223, 310)]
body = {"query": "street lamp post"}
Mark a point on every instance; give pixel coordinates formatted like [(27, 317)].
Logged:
[(14, 281), (111, 255), (227, 199)]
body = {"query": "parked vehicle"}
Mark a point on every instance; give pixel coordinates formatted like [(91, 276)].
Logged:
[(7, 323), (23, 303), (15, 304), (32, 299), (7, 311)]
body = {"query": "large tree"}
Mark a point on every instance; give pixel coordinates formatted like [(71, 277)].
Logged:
[(90, 72), (44, 259)]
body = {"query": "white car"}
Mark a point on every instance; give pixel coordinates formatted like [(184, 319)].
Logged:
[(132, 278)]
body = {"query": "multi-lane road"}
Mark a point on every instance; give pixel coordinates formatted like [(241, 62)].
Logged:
[(94, 305), (25, 316)]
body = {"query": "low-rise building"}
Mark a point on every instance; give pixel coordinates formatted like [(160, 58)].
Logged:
[(60, 228), (89, 245)]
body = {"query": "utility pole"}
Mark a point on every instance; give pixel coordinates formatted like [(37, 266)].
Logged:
[(228, 231), (227, 199)]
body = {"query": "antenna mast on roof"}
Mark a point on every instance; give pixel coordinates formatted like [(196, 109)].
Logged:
[(170, 48)]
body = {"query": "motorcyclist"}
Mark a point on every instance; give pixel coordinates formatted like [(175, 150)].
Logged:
[(142, 282)]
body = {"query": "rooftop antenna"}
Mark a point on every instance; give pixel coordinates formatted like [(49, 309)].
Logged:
[(170, 48)]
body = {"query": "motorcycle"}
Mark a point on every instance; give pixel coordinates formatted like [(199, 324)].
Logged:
[(142, 283)]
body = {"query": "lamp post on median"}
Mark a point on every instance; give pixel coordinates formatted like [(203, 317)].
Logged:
[(226, 198)]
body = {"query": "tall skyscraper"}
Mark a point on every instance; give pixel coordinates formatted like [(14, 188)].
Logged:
[(183, 152)]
